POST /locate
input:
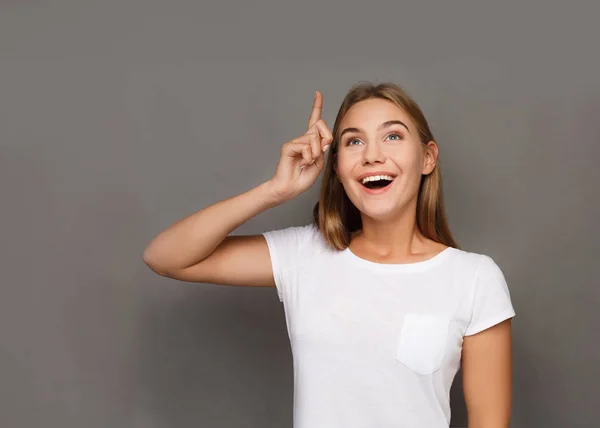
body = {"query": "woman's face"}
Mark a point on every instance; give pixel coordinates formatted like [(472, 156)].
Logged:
[(371, 143)]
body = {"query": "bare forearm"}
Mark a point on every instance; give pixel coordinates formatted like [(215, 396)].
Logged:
[(193, 238)]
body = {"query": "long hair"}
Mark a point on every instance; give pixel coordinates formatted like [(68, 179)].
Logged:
[(337, 217)]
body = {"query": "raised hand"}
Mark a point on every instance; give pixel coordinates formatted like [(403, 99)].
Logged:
[(302, 158)]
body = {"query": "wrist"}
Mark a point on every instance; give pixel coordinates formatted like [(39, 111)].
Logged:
[(272, 195)]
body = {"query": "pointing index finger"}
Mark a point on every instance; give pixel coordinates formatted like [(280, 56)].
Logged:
[(315, 115)]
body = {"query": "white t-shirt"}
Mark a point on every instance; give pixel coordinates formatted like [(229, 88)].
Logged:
[(378, 345)]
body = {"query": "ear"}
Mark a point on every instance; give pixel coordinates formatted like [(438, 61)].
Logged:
[(430, 157)]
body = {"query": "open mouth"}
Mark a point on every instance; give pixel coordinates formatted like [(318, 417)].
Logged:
[(377, 184)]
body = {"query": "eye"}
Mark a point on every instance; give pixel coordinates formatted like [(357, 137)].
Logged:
[(351, 140)]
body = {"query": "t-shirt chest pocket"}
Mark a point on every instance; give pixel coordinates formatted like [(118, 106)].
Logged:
[(422, 342)]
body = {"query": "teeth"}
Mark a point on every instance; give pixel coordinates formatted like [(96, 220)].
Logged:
[(377, 177)]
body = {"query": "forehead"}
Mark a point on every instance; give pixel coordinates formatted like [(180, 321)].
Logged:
[(370, 113)]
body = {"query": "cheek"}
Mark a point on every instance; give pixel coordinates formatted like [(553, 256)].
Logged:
[(343, 166), (409, 161)]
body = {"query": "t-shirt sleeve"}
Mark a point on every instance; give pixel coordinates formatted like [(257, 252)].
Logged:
[(284, 249), (491, 300)]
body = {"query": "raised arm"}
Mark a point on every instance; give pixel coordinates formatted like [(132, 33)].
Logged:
[(199, 247)]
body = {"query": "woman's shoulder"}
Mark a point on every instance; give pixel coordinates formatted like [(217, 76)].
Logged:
[(299, 235), (474, 261)]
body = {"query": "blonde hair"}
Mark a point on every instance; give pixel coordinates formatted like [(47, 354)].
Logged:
[(337, 217)]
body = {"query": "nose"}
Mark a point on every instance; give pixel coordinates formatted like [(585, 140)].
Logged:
[(372, 154)]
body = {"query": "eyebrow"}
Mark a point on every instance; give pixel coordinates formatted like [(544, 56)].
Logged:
[(383, 125)]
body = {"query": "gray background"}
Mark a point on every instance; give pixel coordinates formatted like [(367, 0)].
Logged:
[(117, 118)]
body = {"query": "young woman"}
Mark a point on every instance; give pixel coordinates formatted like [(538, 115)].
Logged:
[(381, 305)]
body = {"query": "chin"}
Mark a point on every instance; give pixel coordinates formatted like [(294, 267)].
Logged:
[(381, 210)]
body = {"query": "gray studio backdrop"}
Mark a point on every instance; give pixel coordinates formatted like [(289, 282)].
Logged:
[(117, 118)]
